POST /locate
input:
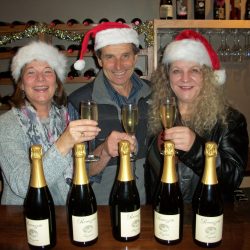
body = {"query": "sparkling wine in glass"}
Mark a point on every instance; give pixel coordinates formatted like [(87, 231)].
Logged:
[(168, 112), (89, 111), (130, 121)]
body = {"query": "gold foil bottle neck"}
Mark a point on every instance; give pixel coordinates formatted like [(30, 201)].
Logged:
[(80, 173), (169, 174), (125, 173), (37, 175), (210, 176)]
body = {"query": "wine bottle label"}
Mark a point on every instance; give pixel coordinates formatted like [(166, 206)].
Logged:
[(130, 223), (208, 229), (38, 232), (167, 227), (166, 11), (85, 228)]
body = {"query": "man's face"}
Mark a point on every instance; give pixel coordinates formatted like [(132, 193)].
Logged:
[(118, 63)]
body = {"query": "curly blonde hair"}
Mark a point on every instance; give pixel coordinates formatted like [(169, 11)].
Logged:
[(208, 108)]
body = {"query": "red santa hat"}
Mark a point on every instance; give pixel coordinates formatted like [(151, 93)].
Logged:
[(192, 46), (107, 33)]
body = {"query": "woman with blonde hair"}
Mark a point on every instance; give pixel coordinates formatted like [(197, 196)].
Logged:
[(190, 71)]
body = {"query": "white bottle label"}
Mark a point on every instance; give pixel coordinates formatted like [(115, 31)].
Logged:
[(166, 227), (130, 223), (208, 229), (38, 232), (166, 11), (85, 228)]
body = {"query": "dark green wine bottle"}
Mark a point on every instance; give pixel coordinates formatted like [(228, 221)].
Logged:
[(81, 206), (125, 200), (207, 204), (39, 208), (168, 203)]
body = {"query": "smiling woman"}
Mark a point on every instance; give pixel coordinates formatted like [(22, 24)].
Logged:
[(39, 116), (191, 72)]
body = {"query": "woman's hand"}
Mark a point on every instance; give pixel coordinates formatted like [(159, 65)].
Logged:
[(183, 137), (76, 132)]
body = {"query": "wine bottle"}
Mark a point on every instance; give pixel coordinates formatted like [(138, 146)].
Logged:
[(168, 203), (125, 200), (207, 203), (235, 9), (181, 9), (73, 47), (81, 205), (39, 208), (72, 21), (17, 23), (4, 23), (166, 9), (136, 21), (56, 22), (5, 74), (87, 21), (247, 10), (89, 73), (120, 20), (73, 73), (199, 9), (219, 9), (31, 23), (103, 20)]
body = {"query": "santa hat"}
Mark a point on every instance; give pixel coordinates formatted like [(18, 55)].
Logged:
[(41, 51), (192, 46), (107, 33)]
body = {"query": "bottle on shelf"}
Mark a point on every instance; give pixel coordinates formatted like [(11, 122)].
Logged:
[(5, 49), (87, 21), (136, 21), (4, 23), (199, 9), (73, 73), (125, 200), (235, 9), (5, 74), (168, 203), (56, 22), (166, 9), (104, 20), (60, 47), (181, 9), (73, 47), (31, 23), (247, 10), (219, 9), (72, 21), (16, 23), (120, 20), (207, 203), (39, 208), (139, 72), (89, 73), (81, 205)]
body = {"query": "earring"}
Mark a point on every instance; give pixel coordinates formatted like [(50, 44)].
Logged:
[(23, 94)]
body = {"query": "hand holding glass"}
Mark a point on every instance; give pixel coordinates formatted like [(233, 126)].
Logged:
[(130, 121), (89, 111)]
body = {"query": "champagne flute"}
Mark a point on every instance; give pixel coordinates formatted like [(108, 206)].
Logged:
[(89, 111), (168, 112), (130, 121)]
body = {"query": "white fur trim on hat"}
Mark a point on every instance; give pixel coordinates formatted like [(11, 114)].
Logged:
[(220, 76), (116, 36), (39, 51), (188, 50)]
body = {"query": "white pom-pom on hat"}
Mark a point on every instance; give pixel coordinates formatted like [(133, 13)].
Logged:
[(192, 46), (108, 33), (38, 50)]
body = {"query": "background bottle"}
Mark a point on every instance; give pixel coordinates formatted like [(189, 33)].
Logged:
[(104, 20), (199, 9), (207, 203), (87, 21), (247, 10), (72, 21), (81, 205), (219, 9), (136, 21), (73, 47), (120, 20), (89, 73), (56, 22), (168, 203), (39, 208), (235, 9), (181, 9), (125, 201), (166, 9), (73, 72)]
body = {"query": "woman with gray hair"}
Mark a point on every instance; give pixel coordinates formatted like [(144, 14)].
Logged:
[(39, 116), (190, 71)]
